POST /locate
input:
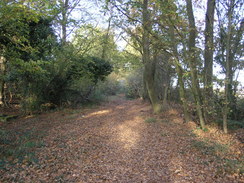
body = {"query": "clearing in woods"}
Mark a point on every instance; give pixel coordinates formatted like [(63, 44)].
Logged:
[(119, 141)]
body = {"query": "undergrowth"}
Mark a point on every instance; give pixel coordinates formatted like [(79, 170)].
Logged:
[(219, 152), (232, 124), (18, 147)]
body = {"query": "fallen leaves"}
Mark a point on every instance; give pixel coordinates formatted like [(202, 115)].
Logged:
[(112, 143)]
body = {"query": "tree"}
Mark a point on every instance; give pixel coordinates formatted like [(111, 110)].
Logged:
[(230, 49), (14, 31), (192, 61), (208, 56), (94, 41), (64, 21), (149, 64)]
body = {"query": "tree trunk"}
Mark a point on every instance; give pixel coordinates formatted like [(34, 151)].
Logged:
[(65, 8), (192, 63), (179, 72), (106, 39), (208, 58), (149, 80), (228, 67), (183, 99), (2, 81), (145, 93), (149, 65)]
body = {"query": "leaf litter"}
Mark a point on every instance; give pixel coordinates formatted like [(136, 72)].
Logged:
[(113, 143)]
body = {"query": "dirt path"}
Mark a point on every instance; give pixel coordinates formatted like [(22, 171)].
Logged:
[(113, 143)]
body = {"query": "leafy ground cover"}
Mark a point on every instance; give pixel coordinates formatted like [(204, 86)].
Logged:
[(118, 141)]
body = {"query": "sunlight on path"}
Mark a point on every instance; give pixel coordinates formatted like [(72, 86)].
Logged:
[(129, 133), (97, 113)]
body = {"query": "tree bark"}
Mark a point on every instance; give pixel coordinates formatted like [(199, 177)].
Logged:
[(2, 81), (192, 63), (65, 7), (149, 65), (228, 67), (208, 58), (183, 98), (106, 39), (179, 72)]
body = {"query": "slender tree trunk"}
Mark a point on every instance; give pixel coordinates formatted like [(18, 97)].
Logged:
[(179, 72), (235, 42), (145, 93), (2, 81), (64, 22), (208, 58), (106, 38), (165, 96), (183, 99), (228, 67), (149, 65), (192, 63)]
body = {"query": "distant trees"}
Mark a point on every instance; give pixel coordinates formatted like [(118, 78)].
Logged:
[(159, 30), (41, 63), (229, 54)]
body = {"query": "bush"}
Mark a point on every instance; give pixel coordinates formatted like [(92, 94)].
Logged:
[(66, 79), (134, 84), (111, 86), (240, 108)]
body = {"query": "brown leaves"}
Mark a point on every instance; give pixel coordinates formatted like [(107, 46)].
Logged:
[(112, 143)]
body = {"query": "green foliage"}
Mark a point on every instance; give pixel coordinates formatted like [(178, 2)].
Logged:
[(41, 38), (211, 148), (14, 19), (98, 68), (69, 79), (232, 124), (232, 166), (18, 146), (92, 41), (111, 86), (134, 84), (239, 109)]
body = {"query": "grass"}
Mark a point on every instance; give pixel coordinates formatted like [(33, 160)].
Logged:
[(233, 166), (19, 146), (219, 153), (151, 120), (210, 148)]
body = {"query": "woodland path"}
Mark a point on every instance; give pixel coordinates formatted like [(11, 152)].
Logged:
[(113, 143)]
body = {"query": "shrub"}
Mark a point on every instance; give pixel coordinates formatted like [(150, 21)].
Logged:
[(66, 79), (134, 84), (111, 86)]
